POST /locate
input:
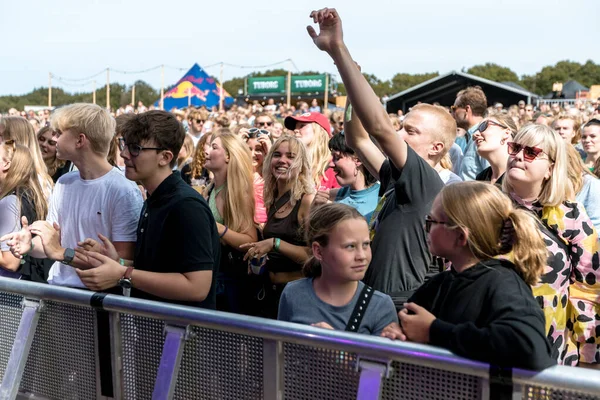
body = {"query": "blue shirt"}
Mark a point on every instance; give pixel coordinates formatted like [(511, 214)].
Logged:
[(364, 200), (472, 162), (589, 196)]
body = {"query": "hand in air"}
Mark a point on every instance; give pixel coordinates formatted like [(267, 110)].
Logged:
[(330, 34)]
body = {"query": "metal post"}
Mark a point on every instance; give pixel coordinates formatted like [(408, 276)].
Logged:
[(94, 93), (117, 355), (108, 89), (272, 369), (221, 89), (289, 88), (49, 89), (170, 361), (325, 107), (162, 87), (133, 96), (20, 350), (371, 374)]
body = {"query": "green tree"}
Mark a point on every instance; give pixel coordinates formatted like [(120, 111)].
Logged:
[(403, 81), (541, 83), (494, 72)]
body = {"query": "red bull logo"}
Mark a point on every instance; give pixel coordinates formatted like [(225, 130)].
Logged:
[(187, 89)]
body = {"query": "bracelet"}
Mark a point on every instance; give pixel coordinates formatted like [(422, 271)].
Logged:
[(276, 243), (30, 250), (121, 261), (224, 232)]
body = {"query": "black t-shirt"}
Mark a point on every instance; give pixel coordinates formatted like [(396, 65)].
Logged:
[(487, 313), (177, 233), (401, 257), (486, 176)]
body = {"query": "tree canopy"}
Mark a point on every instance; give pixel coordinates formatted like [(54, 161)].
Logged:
[(541, 83)]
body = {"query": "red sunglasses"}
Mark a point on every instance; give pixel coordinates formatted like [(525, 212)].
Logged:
[(530, 153)]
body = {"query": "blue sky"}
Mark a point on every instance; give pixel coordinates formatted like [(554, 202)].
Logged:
[(78, 38)]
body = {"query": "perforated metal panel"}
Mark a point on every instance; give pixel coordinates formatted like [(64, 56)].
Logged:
[(143, 339), (317, 373), (220, 365), (10, 315), (541, 393), (414, 382), (62, 361)]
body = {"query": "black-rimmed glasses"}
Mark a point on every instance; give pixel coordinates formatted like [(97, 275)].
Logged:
[(135, 149), (430, 221)]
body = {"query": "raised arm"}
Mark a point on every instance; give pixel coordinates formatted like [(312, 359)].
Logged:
[(358, 139), (365, 102)]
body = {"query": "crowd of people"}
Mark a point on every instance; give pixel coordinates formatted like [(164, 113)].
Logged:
[(473, 228)]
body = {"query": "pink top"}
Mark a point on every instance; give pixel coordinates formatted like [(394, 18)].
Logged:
[(260, 212), (328, 181)]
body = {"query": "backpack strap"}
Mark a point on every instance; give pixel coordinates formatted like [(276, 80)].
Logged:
[(359, 309)]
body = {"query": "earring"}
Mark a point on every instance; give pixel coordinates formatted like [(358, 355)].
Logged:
[(355, 171)]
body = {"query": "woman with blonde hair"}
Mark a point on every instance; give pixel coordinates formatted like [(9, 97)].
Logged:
[(194, 173), (21, 131), (314, 131), (491, 138), (185, 154), (228, 158), (482, 308), (569, 290), (20, 196), (288, 194), (586, 185), (56, 167)]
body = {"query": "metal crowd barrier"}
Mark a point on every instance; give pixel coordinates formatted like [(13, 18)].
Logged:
[(61, 343)]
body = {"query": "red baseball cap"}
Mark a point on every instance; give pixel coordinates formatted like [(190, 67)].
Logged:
[(323, 121)]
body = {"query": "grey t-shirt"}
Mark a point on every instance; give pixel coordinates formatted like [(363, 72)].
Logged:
[(300, 304), (9, 223), (401, 258)]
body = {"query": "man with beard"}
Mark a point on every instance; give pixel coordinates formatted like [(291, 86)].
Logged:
[(468, 110)]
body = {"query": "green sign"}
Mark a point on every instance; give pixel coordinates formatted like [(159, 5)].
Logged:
[(270, 84), (308, 83)]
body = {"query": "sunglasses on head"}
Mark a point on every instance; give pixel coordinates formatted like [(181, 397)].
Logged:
[(256, 132), (486, 124), (530, 153)]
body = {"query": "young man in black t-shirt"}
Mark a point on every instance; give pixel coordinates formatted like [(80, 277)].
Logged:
[(405, 168), (177, 250)]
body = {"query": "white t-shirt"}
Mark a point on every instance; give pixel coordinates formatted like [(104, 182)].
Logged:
[(109, 205)]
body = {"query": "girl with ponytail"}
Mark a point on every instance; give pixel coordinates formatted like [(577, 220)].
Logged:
[(338, 237), (483, 307)]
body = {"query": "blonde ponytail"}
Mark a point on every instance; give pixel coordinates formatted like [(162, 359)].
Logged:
[(529, 251)]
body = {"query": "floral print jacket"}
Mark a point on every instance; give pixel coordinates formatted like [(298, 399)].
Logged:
[(569, 289)]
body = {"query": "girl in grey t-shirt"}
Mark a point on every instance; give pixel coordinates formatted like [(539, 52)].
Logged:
[(338, 237)]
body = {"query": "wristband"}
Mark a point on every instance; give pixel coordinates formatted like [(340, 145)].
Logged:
[(26, 254), (121, 261), (276, 243), (224, 232)]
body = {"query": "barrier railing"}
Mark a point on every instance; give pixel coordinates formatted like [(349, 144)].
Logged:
[(62, 343)]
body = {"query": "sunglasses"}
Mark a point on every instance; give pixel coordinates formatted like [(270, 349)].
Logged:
[(430, 221), (135, 149), (198, 121), (264, 123), (486, 124), (256, 132), (530, 153)]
